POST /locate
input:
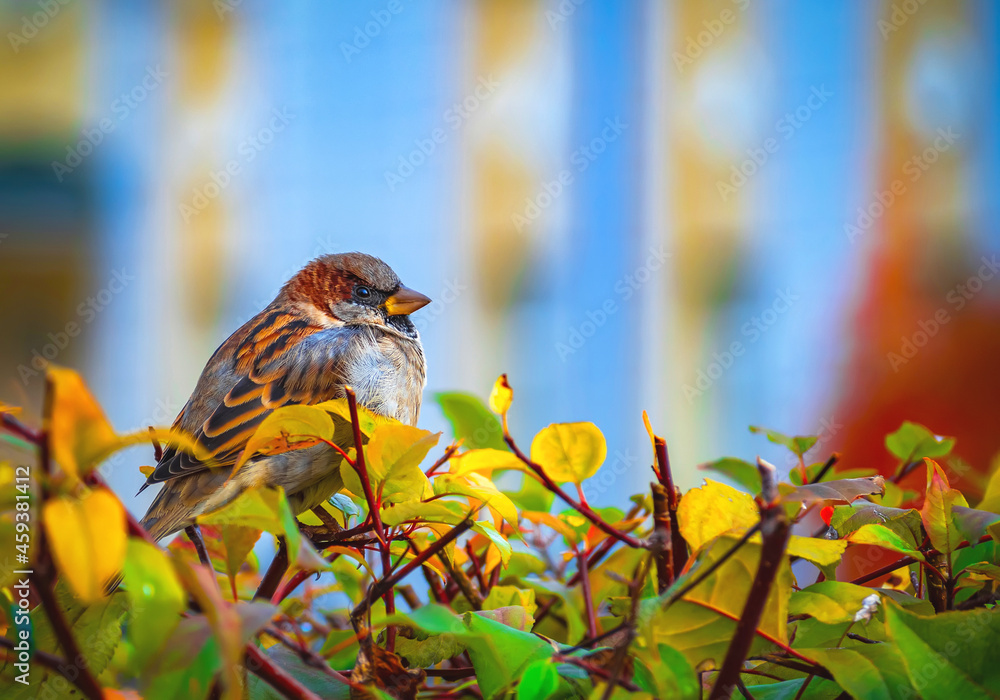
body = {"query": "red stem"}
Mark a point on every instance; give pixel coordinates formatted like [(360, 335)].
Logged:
[(775, 531), (584, 510), (389, 596), (678, 545), (588, 597), (275, 676)]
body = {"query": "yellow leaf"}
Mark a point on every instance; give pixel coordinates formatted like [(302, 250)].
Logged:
[(705, 513), (936, 511), (570, 451), (539, 518), (485, 461), (78, 430), (501, 396), (288, 428), (353, 554), (12, 410), (88, 540), (393, 458), (991, 499), (80, 434), (479, 487), (146, 471), (368, 420)]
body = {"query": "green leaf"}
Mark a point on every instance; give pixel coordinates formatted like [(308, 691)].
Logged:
[(471, 421), (826, 554), (97, 628), (799, 444), (885, 537), (913, 441), (262, 508), (991, 498), (312, 678), (505, 596), (874, 672), (701, 624), (539, 681), (972, 524), (187, 667), (426, 650), (498, 653), (936, 512), (239, 541), (904, 521), (841, 490), (949, 655), (486, 528), (532, 496), (818, 689), (479, 487), (829, 601), (439, 511), (743, 473), (664, 672), (570, 452), (569, 606), (155, 596), (393, 458)]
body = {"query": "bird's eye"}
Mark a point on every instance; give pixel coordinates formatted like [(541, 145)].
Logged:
[(362, 292)]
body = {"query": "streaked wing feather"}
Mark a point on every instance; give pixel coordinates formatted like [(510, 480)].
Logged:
[(281, 361)]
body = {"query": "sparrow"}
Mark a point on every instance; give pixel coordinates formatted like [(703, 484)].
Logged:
[(342, 321)]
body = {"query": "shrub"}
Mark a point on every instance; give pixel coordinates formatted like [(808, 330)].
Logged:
[(447, 583)]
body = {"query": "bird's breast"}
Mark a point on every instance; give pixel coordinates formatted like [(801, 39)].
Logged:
[(388, 374)]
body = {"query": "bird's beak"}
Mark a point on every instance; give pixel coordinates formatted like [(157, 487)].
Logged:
[(405, 301)]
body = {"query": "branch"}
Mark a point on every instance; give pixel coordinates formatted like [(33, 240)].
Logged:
[(49, 661), (775, 530), (386, 584), (588, 598), (46, 571), (677, 544), (582, 508), (834, 458), (275, 571), (275, 676), (373, 511), (16, 427), (686, 588)]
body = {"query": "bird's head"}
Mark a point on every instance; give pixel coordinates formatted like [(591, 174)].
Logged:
[(356, 289)]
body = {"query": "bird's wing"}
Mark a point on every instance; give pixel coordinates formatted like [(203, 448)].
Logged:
[(281, 360)]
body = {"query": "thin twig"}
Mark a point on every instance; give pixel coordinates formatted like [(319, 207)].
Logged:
[(775, 530), (275, 676), (584, 509), (45, 570), (678, 545), (834, 458), (193, 533), (686, 588), (588, 598), (379, 589), (275, 572)]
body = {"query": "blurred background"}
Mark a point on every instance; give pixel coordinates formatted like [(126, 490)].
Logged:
[(725, 212)]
